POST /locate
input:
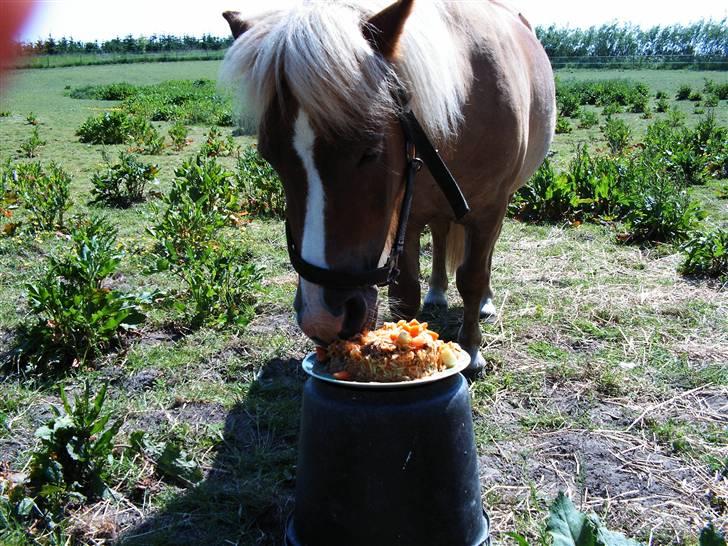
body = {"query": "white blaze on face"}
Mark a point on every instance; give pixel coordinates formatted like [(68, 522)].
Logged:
[(313, 245)]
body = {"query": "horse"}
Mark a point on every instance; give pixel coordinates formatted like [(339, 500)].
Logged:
[(329, 85)]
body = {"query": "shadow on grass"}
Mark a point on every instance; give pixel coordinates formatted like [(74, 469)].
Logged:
[(248, 492)]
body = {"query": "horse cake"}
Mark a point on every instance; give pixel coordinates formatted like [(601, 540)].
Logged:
[(401, 351)]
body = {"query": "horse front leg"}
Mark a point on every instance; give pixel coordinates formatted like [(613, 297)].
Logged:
[(436, 298), (404, 294), (473, 282)]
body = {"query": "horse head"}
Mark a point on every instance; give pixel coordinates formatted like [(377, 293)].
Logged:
[(329, 125)]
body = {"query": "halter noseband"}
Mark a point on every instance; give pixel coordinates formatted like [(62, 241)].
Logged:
[(416, 141)]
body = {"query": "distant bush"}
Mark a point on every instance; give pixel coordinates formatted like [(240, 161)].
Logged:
[(684, 92), (711, 101), (563, 126), (178, 135), (719, 90), (143, 136), (114, 91), (191, 102), (662, 105), (4, 113), (45, 193), (75, 316), (611, 109), (603, 92), (260, 188), (123, 183), (707, 254), (569, 104), (661, 95), (695, 96), (217, 146), (29, 148), (107, 128), (32, 118), (588, 119)]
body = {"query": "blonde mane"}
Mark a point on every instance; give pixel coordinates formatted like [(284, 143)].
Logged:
[(318, 53)]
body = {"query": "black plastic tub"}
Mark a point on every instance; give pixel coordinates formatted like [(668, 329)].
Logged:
[(387, 467)]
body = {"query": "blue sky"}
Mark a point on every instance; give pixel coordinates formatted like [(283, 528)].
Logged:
[(103, 19)]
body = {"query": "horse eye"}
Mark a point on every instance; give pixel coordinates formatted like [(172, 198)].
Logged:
[(369, 155)]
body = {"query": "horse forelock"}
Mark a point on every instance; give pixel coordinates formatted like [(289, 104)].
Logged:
[(318, 53)]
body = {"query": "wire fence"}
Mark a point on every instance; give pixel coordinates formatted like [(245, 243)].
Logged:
[(694, 62)]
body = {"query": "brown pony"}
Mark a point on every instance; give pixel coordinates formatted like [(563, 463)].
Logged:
[(325, 82)]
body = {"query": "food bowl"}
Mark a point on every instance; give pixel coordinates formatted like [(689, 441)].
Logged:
[(384, 464)]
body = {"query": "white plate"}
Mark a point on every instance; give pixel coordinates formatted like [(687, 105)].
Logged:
[(316, 369)]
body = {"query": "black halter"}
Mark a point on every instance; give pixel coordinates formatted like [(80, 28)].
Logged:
[(416, 144)]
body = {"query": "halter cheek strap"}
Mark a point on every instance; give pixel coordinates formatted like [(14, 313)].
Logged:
[(416, 140)]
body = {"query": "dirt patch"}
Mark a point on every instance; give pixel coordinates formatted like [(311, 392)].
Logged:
[(614, 473)]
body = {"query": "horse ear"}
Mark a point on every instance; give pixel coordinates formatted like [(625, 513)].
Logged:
[(384, 29), (238, 25)]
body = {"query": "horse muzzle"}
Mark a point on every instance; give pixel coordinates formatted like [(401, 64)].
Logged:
[(325, 314)]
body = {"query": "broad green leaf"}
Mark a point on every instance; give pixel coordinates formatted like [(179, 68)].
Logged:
[(710, 537)]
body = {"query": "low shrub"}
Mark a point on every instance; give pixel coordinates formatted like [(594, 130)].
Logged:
[(32, 118), (684, 92), (178, 135), (617, 134), (659, 210), (75, 315), (695, 96), (640, 105), (44, 193), (113, 91), (217, 146), (588, 119), (563, 126), (569, 104), (122, 184), (711, 101), (661, 95), (548, 197), (260, 188), (611, 109), (29, 148), (222, 286), (143, 136), (5, 113), (706, 254), (200, 201), (188, 101), (622, 92), (662, 105), (107, 128)]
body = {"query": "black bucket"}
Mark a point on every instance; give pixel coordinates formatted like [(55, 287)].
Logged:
[(387, 467)]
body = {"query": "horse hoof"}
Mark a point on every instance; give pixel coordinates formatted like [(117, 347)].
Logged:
[(476, 368), (488, 312)]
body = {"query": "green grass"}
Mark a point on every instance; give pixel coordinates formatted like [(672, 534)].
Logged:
[(591, 335)]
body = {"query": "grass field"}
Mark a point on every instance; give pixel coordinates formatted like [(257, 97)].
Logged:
[(608, 371)]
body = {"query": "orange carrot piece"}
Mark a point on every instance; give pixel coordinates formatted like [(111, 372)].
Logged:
[(434, 335), (343, 375)]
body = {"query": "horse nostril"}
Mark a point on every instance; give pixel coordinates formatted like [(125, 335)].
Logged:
[(355, 316)]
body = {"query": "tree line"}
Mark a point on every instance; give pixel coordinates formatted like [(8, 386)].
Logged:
[(705, 38)]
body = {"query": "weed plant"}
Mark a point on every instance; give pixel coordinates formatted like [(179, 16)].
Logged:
[(178, 135), (29, 148), (44, 193), (260, 188), (122, 184), (617, 134), (706, 254), (75, 315)]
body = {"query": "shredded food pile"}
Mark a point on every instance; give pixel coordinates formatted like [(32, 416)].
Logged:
[(400, 351)]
